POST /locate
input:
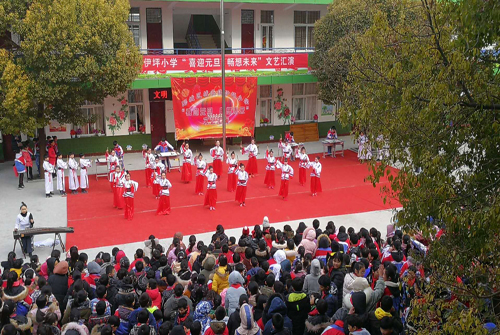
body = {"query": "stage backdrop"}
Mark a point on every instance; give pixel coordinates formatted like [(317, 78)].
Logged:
[(198, 107)]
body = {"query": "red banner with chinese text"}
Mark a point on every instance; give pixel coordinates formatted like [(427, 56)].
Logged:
[(210, 63), (197, 106)]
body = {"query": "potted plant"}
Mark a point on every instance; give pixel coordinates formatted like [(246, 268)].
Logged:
[(131, 129), (142, 129), (101, 133), (315, 117), (72, 133), (78, 132), (292, 119), (96, 132)]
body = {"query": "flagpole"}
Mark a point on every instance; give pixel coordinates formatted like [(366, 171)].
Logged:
[(223, 60)]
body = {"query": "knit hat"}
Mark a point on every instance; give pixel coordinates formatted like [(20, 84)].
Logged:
[(62, 268), (265, 223), (93, 268), (246, 231)]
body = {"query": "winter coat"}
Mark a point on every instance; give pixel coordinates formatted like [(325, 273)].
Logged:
[(148, 247), (248, 326), (201, 314), (263, 255), (155, 297), (21, 323), (348, 280), (208, 267), (123, 290), (135, 330), (171, 306), (336, 329), (372, 296), (37, 316), (308, 241), (298, 306), (133, 317), (311, 284), (234, 321), (316, 324), (84, 312), (81, 329), (337, 277), (217, 328), (59, 285), (124, 314), (220, 280), (277, 305), (234, 292)]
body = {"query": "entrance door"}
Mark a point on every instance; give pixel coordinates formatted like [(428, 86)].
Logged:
[(157, 117), (154, 30), (247, 30)]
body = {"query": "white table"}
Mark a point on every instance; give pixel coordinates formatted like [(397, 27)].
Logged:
[(333, 144), (101, 162), (172, 154)]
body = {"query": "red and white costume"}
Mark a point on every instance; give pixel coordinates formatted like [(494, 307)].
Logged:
[(150, 161), (49, 183), (164, 203), (287, 149), (241, 188), (270, 168), (315, 177), (113, 162), (129, 187), (118, 180), (159, 167), (163, 146), (286, 175), (73, 175), (211, 195), (231, 177), (201, 168), (303, 166), (187, 155), (217, 154), (61, 166), (84, 179), (252, 151)]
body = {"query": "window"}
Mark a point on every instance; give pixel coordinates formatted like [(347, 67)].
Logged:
[(94, 113), (266, 102), (136, 108), (153, 15), (134, 22), (304, 101), (304, 28), (267, 25)]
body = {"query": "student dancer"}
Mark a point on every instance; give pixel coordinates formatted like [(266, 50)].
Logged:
[(20, 169), (156, 176), (130, 187), (187, 154), (287, 149), (252, 151), (286, 175), (232, 161), (150, 160), (73, 174), (201, 168), (211, 195), (303, 166), (241, 189), (61, 166), (84, 179), (164, 203), (119, 179), (49, 183), (217, 154), (164, 146), (364, 147), (270, 168), (315, 176), (112, 160), (24, 221), (119, 153)]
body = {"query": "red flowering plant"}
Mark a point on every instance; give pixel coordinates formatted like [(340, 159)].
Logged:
[(72, 132), (117, 118), (142, 128), (281, 108), (131, 129), (315, 117)]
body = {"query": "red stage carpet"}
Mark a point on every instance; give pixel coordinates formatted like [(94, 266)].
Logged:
[(97, 223)]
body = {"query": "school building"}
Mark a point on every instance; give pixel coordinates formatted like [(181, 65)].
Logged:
[(267, 39)]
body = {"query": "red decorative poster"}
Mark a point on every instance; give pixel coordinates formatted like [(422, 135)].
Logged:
[(210, 63), (197, 106)]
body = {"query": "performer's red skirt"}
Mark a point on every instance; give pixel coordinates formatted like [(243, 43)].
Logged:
[(156, 189), (241, 194), (148, 176), (163, 205), (284, 188), (302, 176), (210, 197), (186, 175), (118, 200), (315, 185), (252, 165), (129, 208), (217, 167), (269, 180), (199, 184), (231, 182)]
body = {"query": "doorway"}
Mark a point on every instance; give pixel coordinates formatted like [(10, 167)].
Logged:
[(247, 31), (158, 124)]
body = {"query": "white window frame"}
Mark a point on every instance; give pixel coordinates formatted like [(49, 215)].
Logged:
[(309, 116), (308, 26), (134, 24), (132, 109), (269, 104), (94, 109), (267, 27)]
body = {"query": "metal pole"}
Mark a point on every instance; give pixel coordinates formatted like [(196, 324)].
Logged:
[(223, 60)]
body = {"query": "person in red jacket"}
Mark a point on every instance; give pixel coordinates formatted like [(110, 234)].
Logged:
[(218, 326), (336, 329), (27, 153), (154, 293), (52, 153)]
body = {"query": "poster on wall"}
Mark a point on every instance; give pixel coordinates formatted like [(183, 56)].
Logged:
[(330, 110), (55, 127), (197, 104)]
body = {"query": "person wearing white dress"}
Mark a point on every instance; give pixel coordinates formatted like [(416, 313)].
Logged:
[(129, 189), (25, 221), (241, 188), (74, 184), (252, 151), (61, 166), (232, 161), (364, 147), (286, 175), (217, 154), (315, 176), (269, 181), (287, 149), (164, 203), (48, 175), (201, 167), (211, 195), (187, 154), (85, 164), (382, 148)]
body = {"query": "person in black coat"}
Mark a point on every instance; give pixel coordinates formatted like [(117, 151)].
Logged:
[(298, 306), (337, 273), (234, 319), (58, 281)]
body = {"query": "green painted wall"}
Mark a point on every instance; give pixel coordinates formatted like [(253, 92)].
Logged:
[(98, 144), (262, 133), (323, 128)]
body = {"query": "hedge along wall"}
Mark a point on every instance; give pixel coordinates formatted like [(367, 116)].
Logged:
[(98, 144)]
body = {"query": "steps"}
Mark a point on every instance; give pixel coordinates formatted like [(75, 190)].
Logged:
[(305, 132), (207, 42)]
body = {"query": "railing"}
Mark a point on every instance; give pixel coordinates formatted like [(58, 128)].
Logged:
[(199, 51), (191, 39)]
